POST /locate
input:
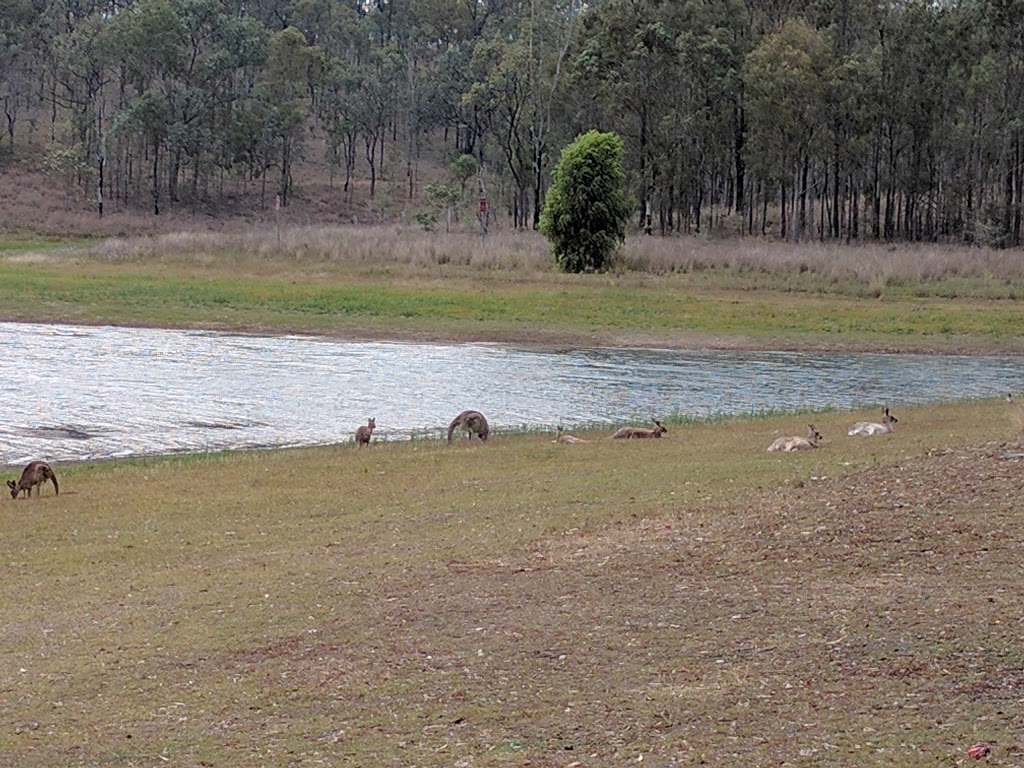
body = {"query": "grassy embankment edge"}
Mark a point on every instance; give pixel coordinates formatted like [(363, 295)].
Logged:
[(354, 604), (429, 293)]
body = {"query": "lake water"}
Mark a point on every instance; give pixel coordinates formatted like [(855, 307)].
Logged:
[(74, 393)]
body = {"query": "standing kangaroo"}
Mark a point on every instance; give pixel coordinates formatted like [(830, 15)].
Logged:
[(873, 427), (638, 433), (35, 474), (364, 433), (797, 443), (471, 421)]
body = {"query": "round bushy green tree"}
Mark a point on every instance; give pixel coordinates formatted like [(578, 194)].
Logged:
[(586, 210)]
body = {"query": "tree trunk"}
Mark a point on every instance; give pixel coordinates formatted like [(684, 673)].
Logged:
[(739, 164), (156, 178)]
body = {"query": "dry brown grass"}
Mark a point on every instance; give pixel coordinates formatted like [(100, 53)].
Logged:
[(361, 247), (319, 225), (876, 263), (866, 270)]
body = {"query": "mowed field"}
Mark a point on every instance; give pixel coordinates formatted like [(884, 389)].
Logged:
[(692, 600)]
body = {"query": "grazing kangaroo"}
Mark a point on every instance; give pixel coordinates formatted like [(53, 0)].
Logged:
[(797, 443), (873, 427), (35, 474), (471, 421), (638, 433), (364, 433)]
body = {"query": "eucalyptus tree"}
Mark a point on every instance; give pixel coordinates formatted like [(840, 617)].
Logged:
[(16, 60), (501, 94), (1006, 20), (630, 64), (518, 69), (375, 102), (289, 78), (850, 107), (444, 106), (336, 103), (198, 62), (911, 114), (150, 44), (709, 127), (785, 77), (81, 62), (980, 134)]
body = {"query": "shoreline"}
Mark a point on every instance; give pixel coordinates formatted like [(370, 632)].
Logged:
[(692, 341)]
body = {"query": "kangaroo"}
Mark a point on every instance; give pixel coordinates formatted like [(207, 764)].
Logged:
[(873, 427), (797, 443), (564, 437), (638, 433), (35, 474), (363, 433), (473, 422)]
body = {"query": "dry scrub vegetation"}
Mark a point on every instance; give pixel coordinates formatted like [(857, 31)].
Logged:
[(318, 229), (872, 266), (693, 600)]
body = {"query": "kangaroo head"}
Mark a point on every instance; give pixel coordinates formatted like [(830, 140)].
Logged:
[(372, 423), (813, 434), (14, 489), (659, 428), (888, 417)]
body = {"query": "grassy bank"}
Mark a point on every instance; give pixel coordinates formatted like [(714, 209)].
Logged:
[(526, 603), (386, 284)]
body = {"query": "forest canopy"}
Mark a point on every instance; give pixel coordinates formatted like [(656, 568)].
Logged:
[(833, 119)]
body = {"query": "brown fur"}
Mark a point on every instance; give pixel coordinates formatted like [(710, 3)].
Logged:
[(35, 474), (473, 422), (365, 432), (564, 437), (639, 433), (797, 443)]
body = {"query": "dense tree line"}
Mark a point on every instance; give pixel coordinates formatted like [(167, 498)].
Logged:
[(832, 119)]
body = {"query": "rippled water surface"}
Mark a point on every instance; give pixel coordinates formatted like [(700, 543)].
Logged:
[(95, 392)]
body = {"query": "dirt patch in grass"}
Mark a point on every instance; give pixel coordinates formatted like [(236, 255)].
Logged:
[(869, 619)]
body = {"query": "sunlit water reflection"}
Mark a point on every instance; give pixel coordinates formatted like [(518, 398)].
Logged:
[(98, 392)]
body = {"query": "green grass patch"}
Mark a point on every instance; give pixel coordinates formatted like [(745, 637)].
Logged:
[(464, 304)]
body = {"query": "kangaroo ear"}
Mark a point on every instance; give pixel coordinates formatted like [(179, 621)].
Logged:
[(10, 484)]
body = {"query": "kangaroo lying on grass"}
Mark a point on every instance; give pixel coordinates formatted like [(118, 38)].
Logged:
[(564, 437), (873, 427), (797, 443), (35, 474), (471, 421), (638, 433), (364, 433)]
